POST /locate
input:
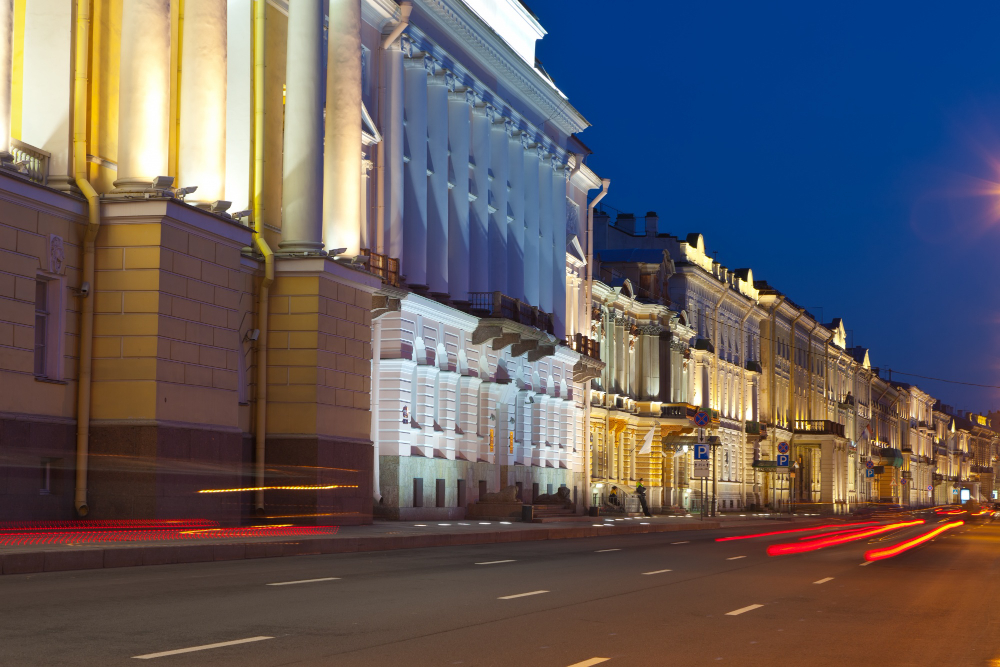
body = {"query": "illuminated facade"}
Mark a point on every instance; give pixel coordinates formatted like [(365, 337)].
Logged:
[(276, 189), (485, 196), (645, 381)]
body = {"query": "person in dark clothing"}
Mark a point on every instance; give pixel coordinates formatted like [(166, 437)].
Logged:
[(641, 492), (613, 496)]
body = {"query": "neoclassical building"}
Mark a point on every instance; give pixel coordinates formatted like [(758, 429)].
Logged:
[(243, 241)]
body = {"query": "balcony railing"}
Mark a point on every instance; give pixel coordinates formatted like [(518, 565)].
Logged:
[(819, 427), (586, 346), (32, 162), (498, 304), (383, 266), (753, 428)]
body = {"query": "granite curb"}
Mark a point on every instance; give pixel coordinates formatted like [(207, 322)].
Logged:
[(128, 556)]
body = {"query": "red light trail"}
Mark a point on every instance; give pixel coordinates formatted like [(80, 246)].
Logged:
[(794, 530), (802, 547), (895, 550)]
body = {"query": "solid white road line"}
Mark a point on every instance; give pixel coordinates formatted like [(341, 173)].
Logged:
[(684, 542), (162, 654), (823, 581), (496, 562), (604, 551), (521, 595), (736, 557), (589, 663), (744, 610), (303, 581), (657, 571)]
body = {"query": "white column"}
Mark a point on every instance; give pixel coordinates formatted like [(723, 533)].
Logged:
[(530, 157), (391, 243), (143, 94), (459, 242), (437, 182), (545, 233), (499, 177), (302, 183), (414, 257), (515, 224), (480, 257), (562, 311), (201, 156), (367, 231), (46, 121), (6, 73), (341, 174), (239, 110)]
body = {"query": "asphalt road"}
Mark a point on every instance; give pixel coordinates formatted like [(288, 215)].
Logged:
[(662, 599)]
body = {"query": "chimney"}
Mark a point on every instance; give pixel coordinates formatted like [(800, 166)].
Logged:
[(652, 223), (626, 223)]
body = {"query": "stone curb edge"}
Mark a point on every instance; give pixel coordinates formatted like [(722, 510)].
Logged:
[(95, 559)]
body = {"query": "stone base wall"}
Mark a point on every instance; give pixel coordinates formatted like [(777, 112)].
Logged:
[(156, 471), (396, 475), (312, 461), (26, 445)]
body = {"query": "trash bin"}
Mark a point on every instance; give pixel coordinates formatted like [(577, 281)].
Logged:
[(595, 510), (527, 513)]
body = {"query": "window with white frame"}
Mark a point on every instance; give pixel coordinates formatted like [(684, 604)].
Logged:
[(48, 328)]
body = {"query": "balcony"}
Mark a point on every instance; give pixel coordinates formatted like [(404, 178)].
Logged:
[(586, 346), (508, 322), (818, 427), (589, 365), (383, 266), (753, 428), (31, 162)]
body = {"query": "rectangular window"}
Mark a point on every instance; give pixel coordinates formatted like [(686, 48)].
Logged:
[(41, 327), (46, 484)]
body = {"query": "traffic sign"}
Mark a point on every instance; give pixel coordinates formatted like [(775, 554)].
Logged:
[(701, 419), (782, 460), (782, 447), (869, 472), (869, 465), (930, 488), (700, 469), (701, 452)]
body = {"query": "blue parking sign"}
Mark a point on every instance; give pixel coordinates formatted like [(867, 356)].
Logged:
[(869, 472), (782, 460), (701, 452)]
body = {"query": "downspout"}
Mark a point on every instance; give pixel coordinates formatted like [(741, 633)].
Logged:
[(772, 384), (744, 402), (718, 390), (404, 21), (80, 83), (260, 426), (588, 304)]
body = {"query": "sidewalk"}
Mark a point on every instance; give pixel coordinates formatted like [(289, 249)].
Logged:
[(380, 536)]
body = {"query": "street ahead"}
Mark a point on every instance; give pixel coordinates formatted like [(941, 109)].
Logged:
[(662, 599)]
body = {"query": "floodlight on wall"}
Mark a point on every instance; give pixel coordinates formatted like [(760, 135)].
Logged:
[(219, 206), (239, 215), (337, 251), (252, 334), (162, 182), (181, 193)]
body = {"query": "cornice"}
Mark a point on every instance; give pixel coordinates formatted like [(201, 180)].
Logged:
[(497, 55)]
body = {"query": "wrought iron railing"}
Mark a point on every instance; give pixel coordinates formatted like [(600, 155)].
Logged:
[(586, 346), (30, 161), (383, 266), (819, 427), (498, 304)]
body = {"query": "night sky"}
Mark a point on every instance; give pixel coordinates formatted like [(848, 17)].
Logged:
[(849, 153)]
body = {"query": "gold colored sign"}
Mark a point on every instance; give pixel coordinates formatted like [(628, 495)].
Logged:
[(511, 438), (491, 441)]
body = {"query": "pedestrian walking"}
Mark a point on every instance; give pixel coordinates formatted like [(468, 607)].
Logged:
[(641, 492)]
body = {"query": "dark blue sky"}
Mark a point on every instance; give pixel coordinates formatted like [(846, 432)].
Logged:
[(839, 149)]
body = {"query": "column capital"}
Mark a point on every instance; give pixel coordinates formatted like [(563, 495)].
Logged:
[(527, 141)]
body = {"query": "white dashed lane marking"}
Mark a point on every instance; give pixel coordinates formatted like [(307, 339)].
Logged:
[(162, 654), (657, 571), (303, 581), (736, 557), (496, 562), (604, 551), (823, 581), (521, 595), (743, 610)]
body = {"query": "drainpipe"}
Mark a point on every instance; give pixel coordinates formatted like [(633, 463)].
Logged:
[(80, 83), (404, 21), (258, 237), (605, 184)]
